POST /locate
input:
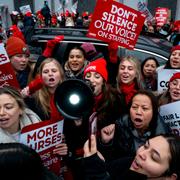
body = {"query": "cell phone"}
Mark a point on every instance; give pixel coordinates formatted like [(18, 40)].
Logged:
[(92, 126)]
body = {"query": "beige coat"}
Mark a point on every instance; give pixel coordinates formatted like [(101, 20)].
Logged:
[(28, 117)]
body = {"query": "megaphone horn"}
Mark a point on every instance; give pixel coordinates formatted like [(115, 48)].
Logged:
[(74, 99)]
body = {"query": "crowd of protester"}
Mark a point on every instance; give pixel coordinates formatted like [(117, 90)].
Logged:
[(132, 141)]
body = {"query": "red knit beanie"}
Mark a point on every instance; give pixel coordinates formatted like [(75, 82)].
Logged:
[(175, 76), (99, 66), (15, 46), (174, 48)]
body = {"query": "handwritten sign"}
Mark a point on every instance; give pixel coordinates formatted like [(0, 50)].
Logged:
[(164, 76), (113, 21), (7, 75), (43, 137), (170, 113)]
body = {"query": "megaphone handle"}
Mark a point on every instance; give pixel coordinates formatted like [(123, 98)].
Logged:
[(92, 126)]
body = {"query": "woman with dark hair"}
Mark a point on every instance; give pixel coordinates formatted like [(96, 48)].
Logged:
[(132, 130), (107, 105), (108, 102), (158, 158), (76, 63), (174, 59), (148, 71), (172, 94), (18, 161)]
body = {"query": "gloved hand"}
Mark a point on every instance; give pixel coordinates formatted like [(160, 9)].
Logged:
[(33, 86), (51, 44), (113, 49)]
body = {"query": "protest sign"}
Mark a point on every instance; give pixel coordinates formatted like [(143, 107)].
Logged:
[(164, 76), (7, 74), (113, 21), (25, 9), (143, 9), (161, 16), (170, 113), (43, 137)]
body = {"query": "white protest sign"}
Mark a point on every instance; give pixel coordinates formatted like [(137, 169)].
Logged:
[(143, 8), (25, 9), (164, 76), (170, 113), (44, 137), (7, 74)]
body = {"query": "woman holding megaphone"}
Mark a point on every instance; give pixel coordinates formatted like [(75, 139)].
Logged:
[(108, 106)]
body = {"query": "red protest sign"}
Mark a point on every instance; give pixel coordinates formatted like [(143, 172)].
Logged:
[(113, 21), (161, 16), (43, 137), (7, 75)]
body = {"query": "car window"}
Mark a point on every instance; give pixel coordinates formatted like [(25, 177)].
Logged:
[(142, 55), (61, 52)]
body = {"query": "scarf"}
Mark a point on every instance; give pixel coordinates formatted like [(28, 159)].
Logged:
[(128, 90), (55, 114), (96, 101)]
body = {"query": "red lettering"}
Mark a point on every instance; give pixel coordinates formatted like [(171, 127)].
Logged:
[(41, 134), (47, 142), (55, 129), (29, 137), (59, 137), (54, 139), (3, 57), (48, 131), (40, 145)]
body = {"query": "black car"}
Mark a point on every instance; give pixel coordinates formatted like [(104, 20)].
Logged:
[(146, 45)]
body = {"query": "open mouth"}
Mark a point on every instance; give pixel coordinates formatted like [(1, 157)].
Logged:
[(3, 121), (125, 78), (175, 94), (74, 65), (136, 164), (175, 63), (137, 122), (51, 80)]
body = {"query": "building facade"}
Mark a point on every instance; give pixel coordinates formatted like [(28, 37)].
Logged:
[(88, 5)]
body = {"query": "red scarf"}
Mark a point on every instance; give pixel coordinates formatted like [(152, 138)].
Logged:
[(96, 101), (128, 90), (55, 114)]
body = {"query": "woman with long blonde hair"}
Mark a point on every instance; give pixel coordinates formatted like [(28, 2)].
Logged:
[(129, 78)]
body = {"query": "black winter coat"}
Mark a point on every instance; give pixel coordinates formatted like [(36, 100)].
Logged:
[(127, 140), (96, 169)]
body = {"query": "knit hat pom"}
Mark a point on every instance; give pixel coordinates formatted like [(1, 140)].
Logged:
[(99, 66)]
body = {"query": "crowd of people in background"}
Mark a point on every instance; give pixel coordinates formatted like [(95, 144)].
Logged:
[(132, 141)]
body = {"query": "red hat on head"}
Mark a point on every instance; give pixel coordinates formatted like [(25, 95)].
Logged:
[(99, 66), (174, 48), (15, 46), (175, 76), (28, 14)]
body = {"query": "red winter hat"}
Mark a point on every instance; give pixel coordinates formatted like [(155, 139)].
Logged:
[(175, 76), (99, 66), (174, 48), (15, 46)]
